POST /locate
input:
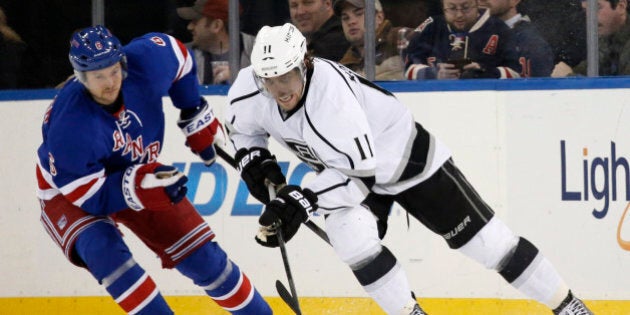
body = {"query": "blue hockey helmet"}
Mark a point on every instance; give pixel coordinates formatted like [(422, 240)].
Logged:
[(95, 48)]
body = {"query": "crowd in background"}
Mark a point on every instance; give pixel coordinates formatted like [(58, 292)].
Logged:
[(34, 35)]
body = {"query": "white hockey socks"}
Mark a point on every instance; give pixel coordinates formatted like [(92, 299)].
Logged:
[(541, 282), (391, 292)]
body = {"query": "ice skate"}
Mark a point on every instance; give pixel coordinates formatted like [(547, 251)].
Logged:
[(412, 309), (572, 306)]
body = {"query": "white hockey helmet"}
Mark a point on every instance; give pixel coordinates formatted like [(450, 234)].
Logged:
[(278, 50)]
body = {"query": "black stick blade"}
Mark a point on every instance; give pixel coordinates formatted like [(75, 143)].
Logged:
[(287, 297)]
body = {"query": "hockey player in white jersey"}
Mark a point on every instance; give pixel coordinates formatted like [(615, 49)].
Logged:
[(367, 151)]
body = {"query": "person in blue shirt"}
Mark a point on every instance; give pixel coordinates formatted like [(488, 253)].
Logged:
[(98, 167)]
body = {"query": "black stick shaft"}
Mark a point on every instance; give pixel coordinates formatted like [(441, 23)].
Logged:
[(287, 269), (285, 257)]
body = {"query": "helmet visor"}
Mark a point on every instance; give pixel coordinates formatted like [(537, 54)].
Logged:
[(269, 86)]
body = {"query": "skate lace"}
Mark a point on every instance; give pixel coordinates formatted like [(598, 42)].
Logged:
[(576, 307)]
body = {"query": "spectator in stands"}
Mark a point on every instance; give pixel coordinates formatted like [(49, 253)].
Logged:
[(614, 39), (535, 55), (464, 42), (322, 28), (388, 62), (11, 50), (210, 40), (563, 25)]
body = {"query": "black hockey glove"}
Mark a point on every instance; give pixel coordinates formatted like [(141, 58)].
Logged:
[(380, 205), (256, 165), (289, 209)]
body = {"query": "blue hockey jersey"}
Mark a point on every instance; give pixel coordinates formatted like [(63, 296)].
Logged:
[(86, 149), (487, 43)]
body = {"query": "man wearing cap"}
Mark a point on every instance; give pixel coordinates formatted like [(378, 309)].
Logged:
[(210, 39), (321, 27), (388, 63)]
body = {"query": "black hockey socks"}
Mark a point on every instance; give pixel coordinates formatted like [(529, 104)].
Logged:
[(521, 258)]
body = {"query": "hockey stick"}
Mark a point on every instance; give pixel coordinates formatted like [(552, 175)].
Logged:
[(310, 224), (290, 298)]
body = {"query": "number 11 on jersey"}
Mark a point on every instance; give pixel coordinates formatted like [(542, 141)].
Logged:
[(363, 144)]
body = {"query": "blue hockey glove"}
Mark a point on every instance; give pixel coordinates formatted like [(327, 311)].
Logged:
[(291, 207)]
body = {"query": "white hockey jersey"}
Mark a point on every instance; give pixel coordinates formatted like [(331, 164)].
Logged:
[(354, 134)]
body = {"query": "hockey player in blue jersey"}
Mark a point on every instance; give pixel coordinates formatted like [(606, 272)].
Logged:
[(465, 42), (98, 166)]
